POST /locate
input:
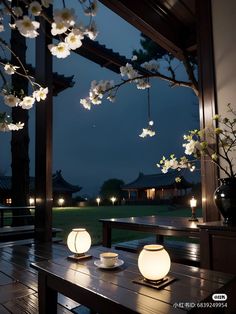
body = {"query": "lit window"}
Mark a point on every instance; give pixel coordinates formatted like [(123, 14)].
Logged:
[(8, 201)]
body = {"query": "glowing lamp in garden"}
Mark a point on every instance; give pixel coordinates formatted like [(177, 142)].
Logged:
[(113, 200), (61, 201), (79, 242), (31, 201), (154, 262), (98, 200), (193, 205)]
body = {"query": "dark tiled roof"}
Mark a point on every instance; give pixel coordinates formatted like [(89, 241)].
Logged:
[(159, 180), (59, 184), (104, 56)]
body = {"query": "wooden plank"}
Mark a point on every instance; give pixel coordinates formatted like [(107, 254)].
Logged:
[(28, 305), (13, 291), (3, 310), (4, 279), (17, 242)]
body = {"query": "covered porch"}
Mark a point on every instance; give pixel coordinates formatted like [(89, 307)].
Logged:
[(180, 27)]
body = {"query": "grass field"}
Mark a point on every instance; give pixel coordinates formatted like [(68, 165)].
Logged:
[(88, 217)]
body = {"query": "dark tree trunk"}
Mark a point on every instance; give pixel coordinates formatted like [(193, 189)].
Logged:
[(20, 139)]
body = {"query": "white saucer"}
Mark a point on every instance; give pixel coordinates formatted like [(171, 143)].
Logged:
[(99, 264)]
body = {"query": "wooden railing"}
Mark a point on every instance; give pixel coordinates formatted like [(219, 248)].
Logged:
[(6, 216)]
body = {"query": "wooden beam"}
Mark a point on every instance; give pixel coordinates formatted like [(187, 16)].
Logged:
[(155, 21), (43, 143), (207, 102)]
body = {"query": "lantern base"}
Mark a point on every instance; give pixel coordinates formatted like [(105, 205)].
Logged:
[(193, 218), (156, 284), (78, 257)]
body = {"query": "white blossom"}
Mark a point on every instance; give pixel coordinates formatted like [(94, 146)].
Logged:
[(11, 101), (46, 3), (111, 98), (191, 147), (178, 180), (92, 9), (147, 132), (79, 29), (65, 16), (1, 28), (40, 94), (35, 8), (6, 127), (73, 41), (143, 84), (58, 28), (98, 89), (128, 71), (27, 27), (92, 31), (10, 69), (86, 103), (151, 65), (134, 58), (17, 11), (60, 51), (27, 102)]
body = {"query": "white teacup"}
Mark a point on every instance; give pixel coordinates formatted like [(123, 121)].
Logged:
[(108, 259)]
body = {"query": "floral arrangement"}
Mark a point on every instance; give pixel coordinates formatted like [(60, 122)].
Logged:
[(64, 26), (198, 143)]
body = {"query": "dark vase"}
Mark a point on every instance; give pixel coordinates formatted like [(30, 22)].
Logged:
[(225, 199)]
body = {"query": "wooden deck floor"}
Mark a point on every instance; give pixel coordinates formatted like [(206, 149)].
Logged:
[(19, 282)]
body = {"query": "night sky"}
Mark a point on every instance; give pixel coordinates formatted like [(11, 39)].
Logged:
[(93, 146)]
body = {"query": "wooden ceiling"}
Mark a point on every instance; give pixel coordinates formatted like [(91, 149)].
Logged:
[(170, 23)]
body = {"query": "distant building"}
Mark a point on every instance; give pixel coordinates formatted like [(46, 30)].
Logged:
[(62, 190), (157, 187)]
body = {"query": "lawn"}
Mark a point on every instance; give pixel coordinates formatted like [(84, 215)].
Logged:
[(67, 218)]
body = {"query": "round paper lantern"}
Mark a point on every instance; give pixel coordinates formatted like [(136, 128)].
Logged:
[(79, 241), (154, 262)]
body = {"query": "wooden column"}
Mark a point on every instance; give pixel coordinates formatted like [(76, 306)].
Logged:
[(43, 143), (207, 102)]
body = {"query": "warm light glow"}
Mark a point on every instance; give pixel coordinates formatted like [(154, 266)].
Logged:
[(61, 201), (8, 200), (31, 201), (154, 262), (98, 200), (204, 199), (193, 202), (113, 199), (79, 241)]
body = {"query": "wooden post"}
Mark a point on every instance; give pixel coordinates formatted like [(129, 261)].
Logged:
[(207, 103), (106, 234), (43, 142)]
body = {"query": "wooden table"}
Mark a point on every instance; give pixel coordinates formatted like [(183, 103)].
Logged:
[(113, 291), (159, 225)]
